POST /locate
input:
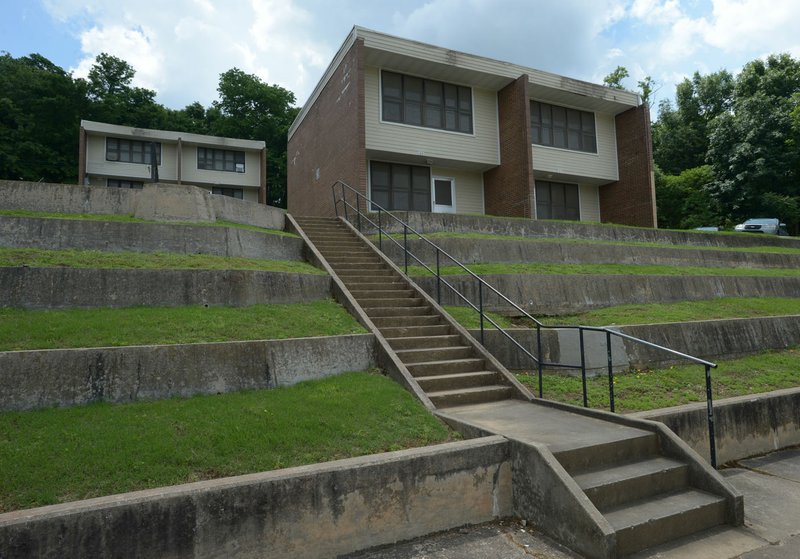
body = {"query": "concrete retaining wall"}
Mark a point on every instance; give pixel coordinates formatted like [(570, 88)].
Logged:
[(744, 426), (67, 377), (156, 202), (426, 222), (566, 294), (47, 288), (708, 339), (471, 251), (317, 511), (113, 236)]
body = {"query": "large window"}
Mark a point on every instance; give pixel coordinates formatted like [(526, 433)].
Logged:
[(131, 151), (428, 103), (122, 183), (555, 200), (220, 160), (401, 187), (232, 192), (561, 127)]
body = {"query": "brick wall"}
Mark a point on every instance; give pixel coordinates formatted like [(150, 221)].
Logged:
[(632, 199), (329, 144), (508, 188)]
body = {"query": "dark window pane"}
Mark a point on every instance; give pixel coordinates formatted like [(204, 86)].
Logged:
[(450, 96), (464, 123), (429, 103), (392, 85), (433, 92), (465, 99), (444, 193), (451, 120), (433, 116), (413, 112), (391, 111)]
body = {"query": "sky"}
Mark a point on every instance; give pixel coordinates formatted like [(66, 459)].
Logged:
[(180, 47)]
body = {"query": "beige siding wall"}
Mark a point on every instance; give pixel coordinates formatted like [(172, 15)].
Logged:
[(600, 165), (190, 173), (481, 147), (468, 189), (96, 163), (590, 202)]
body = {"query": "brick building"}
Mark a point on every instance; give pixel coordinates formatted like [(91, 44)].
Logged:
[(419, 127)]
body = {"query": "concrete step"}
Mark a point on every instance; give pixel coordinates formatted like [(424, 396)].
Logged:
[(665, 517), (375, 293), (403, 331), (626, 449), (397, 311), (391, 302), (405, 321), (616, 485), (441, 383), (434, 368), (434, 354), (360, 268), (418, 342), (355, 259), (383, 282), (340, 251), (466, 396), (349, 275)]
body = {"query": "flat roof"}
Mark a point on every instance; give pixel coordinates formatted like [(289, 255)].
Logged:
[(417, 58), (170, 136)]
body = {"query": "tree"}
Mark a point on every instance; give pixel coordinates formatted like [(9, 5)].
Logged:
[(249, 108), (685, 201), (614, 79), (648, 86)]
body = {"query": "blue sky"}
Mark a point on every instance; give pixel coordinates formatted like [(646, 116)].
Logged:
[(179, 47)]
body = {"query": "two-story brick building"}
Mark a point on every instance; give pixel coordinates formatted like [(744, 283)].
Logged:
[(419, 127), (120, 156)]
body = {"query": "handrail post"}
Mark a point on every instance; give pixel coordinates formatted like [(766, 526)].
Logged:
[(583, 369), (539, 355), (344, 200), (438, 280), (380, 231), (480, 306), (710, 409), (405, 245), (610, 371), (335, 204), (358, 212)]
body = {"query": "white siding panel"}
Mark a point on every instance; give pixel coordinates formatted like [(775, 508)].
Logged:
[(190, 173), (480, 147), (96, 163), (469, 189), (600, 165), (590, 202)]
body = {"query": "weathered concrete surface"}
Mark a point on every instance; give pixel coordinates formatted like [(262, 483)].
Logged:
[(47, 288), (157, 202), (426, 222), (67, 377), (744, 426), (471, 251), (317, 511), (708, 339), (114, 236), (553, 294)]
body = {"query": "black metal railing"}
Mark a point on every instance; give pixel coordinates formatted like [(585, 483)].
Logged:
[(352, 211)]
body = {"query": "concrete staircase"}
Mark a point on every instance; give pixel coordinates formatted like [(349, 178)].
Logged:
[(633, 484), (445, 364)]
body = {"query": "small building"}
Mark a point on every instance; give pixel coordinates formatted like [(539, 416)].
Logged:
[(419, 127), (120, 156)]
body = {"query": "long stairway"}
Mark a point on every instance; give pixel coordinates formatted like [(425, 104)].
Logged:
[(637, 484), (445, 364)]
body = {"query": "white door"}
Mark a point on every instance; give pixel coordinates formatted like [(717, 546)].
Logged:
[(444, 195)]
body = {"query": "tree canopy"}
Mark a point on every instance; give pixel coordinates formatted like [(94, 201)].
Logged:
[(41, 107)]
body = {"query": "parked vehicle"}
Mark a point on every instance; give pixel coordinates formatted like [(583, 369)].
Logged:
[(769, 225)]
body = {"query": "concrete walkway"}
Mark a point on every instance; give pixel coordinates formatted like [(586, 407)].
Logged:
[(771, 489)]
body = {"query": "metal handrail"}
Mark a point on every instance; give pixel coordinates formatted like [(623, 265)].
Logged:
[(483, 284)]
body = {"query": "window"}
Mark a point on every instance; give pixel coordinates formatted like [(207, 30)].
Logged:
[(232, 192), (131, 151), (121, 183), (561, 127), (428, 103), (220, 160), (401, 187), (555, 200)]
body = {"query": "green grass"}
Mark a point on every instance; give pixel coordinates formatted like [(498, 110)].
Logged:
[(44, 329), (607, 269), (563, 240), (726, 307), (130, 219), (37, 258), (58, 455), (651, 389)]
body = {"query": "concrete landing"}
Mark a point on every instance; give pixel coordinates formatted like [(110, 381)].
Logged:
[(560, 430)]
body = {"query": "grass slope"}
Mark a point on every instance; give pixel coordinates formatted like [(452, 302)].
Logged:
[(59, 455)]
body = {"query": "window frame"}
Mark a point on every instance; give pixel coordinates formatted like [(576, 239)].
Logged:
[(230, 192), (560, 127), (130, 147), (124, 183), (419, 107), (550, 184), (218, 159), (416, 185)]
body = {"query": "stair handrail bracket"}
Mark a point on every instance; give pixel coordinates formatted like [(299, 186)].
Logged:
[(349, 201)]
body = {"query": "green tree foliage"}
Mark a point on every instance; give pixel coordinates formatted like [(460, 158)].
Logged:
[(685, 201), (614, 79), (249, 108)]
